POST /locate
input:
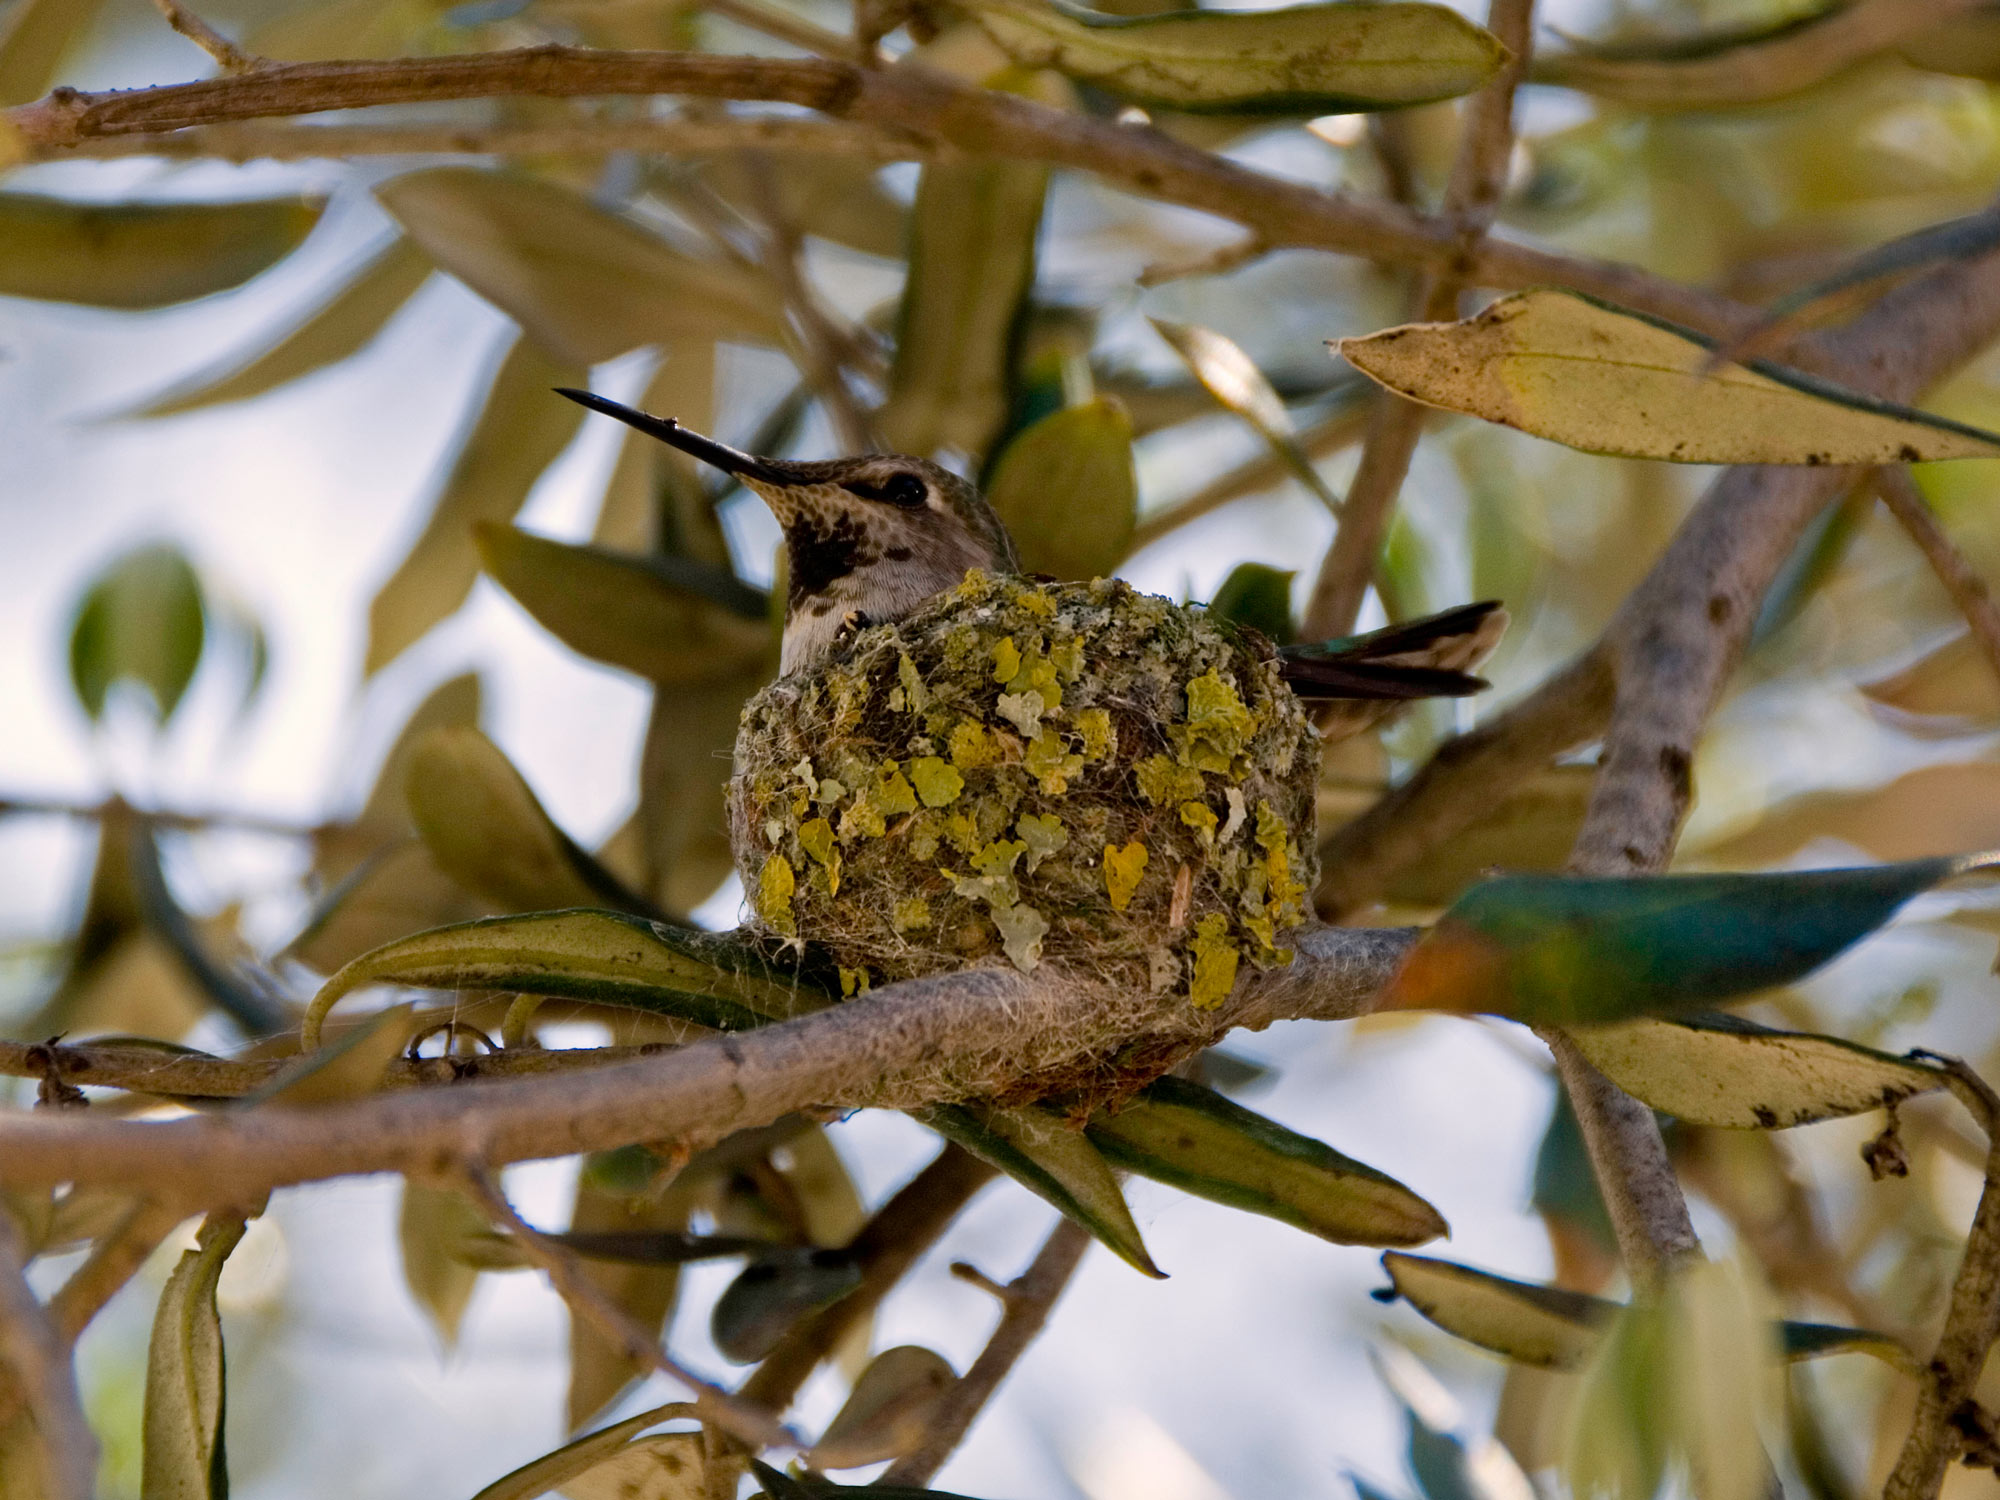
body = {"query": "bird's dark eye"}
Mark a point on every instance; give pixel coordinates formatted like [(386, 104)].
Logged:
[(905, 490)]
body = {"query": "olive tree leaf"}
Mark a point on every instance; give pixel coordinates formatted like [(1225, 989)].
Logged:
[(1571, 950), (1580, 372), (1928, 809), (183, 1455), (392, 893), (1533, 827), (487, 830), (338, 328), (888, 1411), (600, 1367), (1556, 1329), (554, 1470), (779, 1485), (667, 618), (349, 1067), (610, 958), (142, 620), (432, 1226), (774, 1291), (973, 231), (520, 430), (1954, 681), (1747, 65), (1194, 1139), (1228, 374), (667, 1466), (34, 36), (585, 283), (139, 255), (1060, 1165), (835, 198), (1067, 490), (1721, 1070), (683, 813), (1260, 597), (1301, 59)]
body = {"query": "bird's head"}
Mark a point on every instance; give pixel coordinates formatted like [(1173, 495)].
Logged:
[(869, 537)]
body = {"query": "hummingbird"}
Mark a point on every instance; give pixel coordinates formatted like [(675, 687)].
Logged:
[(869, 539)]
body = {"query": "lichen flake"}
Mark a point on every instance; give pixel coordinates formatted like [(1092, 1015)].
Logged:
[(775, 884), (1006, 659), (973, 746), (1275, 840), (935, 781), (816, 838), (1215, 961), (1067, 657), (999, 857), (1099, 740), (911, 914), (1122, 871), (1043, 834), (1161, 781), (1021, 932), (1024, 711), (1201, 818), (854, 982), (1050, 762), (1218, 726), (914, 692)]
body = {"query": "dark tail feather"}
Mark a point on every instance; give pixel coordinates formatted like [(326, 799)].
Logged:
[(1423, 658), (1332, 677)]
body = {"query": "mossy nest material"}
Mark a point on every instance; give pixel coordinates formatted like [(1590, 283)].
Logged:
[(1072, 774)]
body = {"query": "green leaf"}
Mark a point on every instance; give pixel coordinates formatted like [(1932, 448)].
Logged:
[(1719, 1070), (347, 1068), (34, 37), (683, 766), (138, 255), (1180, 1133), (601, 1367), (487, 830), (1302, 59), (183, 1448), (1555, 1329), (773, 1292), (1572, 950), (609, 958), (837, 198), (433, 1225), (973, 231), (1054, 1163), (1067, 491), (520, 430), (142, 620), (585, 283), (888, 1411), (1260, 597), (340, 327), (669, 1466), (1533, 827), (553, 1470), (1578, 371), (670, 619)]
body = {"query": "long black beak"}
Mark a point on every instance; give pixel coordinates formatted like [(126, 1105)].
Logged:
[(667, 430)]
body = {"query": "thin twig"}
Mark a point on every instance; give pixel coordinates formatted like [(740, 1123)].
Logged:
[(1223, 258), (53, 807), (228, 56), (911, 98), (740, 1419), (680, 137), (39, 1359), (1967, 589), (1478, 176), (1947, 1414), (113, 1261), (1028, 1300)]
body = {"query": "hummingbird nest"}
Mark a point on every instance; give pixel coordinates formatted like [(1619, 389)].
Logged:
[(1076, 775)]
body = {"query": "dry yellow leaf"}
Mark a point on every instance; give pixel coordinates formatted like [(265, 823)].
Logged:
[(1578, 372)]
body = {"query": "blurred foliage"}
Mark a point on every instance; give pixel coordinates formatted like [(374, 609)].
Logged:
[(1008, 318)]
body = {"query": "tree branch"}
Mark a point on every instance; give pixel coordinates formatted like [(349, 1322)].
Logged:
[(1472, 197), (1028, 1300), (1960, 579), (1946, 1414), (905, 1045), (228, 56), (979, 122), (40, 1362)]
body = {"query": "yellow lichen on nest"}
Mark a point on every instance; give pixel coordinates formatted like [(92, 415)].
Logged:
[(1076, 773)]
